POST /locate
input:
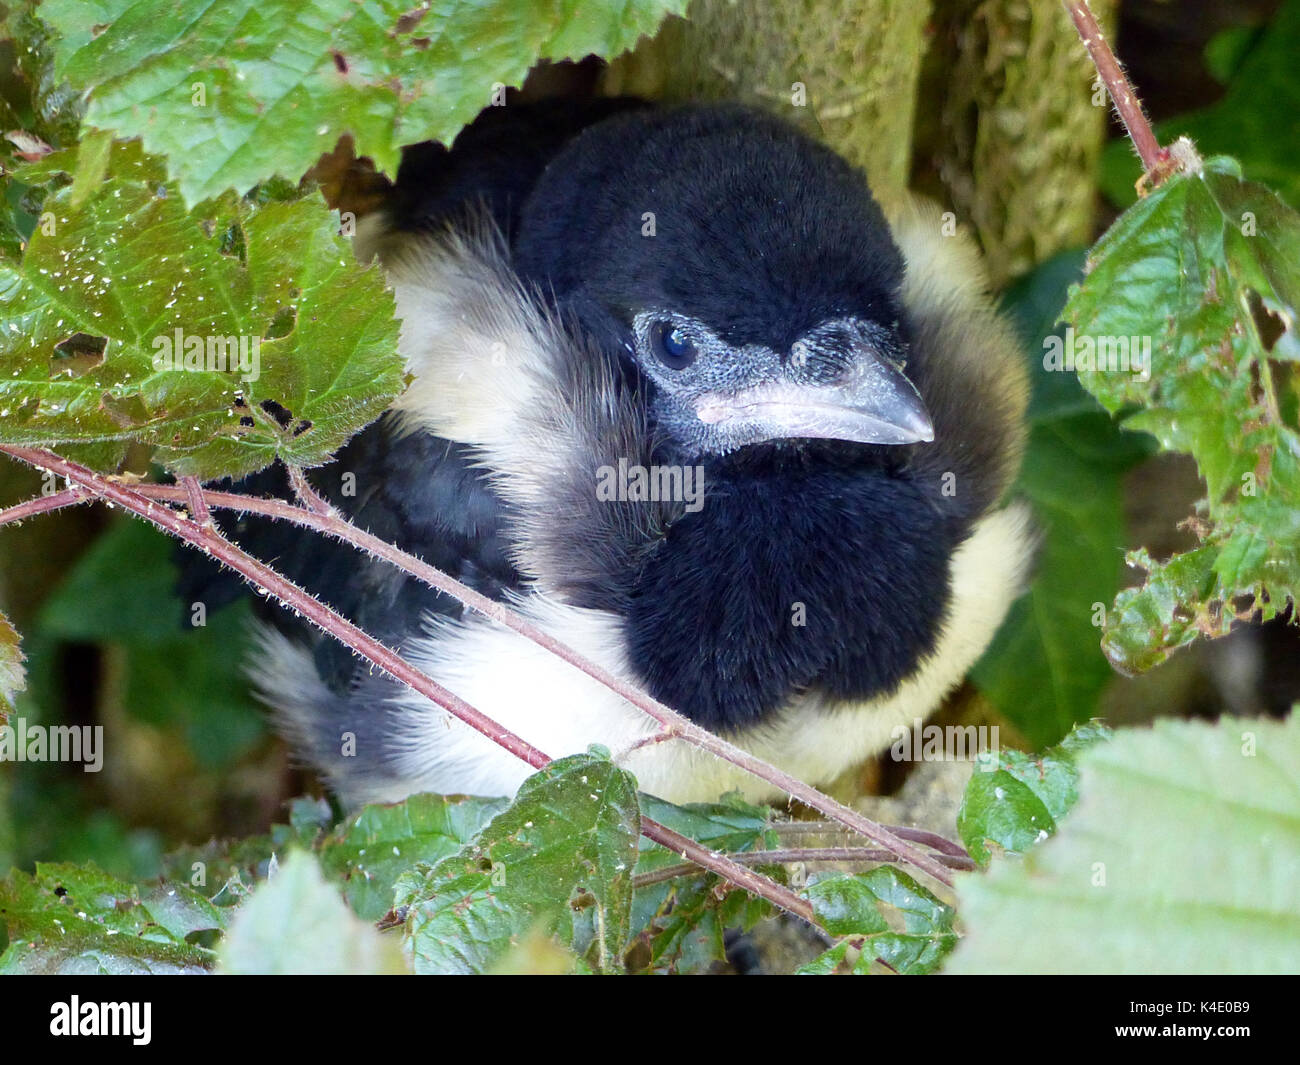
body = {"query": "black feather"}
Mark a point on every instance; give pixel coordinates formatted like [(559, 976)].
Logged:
[(758, 230), (418, 491), (764, 234)]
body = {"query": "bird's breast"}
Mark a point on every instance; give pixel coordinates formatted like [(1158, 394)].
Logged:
[(813, 735), (834, 581)]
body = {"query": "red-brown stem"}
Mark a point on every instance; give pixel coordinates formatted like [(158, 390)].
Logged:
[(788, 855), (210, 541), (784, 855), (207, 539), (673, 722), (645, 741), (1117, 84), (194, 497), (306, 493), (916, 835), (701, 855), (43, 504)]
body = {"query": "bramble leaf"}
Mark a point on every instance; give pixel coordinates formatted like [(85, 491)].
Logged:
[(225, 337), (1206, 270), (297, 924), (1014, 800), (77, 919), (1180, 857), (236, 92), (567, 843)]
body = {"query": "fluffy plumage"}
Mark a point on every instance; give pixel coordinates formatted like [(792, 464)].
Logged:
[(826, 591)]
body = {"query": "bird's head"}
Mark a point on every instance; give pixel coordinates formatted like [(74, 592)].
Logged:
[(743, 270)]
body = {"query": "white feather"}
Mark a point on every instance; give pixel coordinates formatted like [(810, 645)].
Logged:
[(563, 711), (480, 353)]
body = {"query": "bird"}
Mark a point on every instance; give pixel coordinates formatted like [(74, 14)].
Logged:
[(689, 397)]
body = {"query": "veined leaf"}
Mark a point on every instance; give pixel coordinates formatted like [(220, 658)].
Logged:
[(1182, 856), (235, 92), (378, 844), (1015, 800), (1044, 670), (77, 919), (226, 336), (679, 925), (884, 915), (568, 840), (297, 924), (1206, 271)]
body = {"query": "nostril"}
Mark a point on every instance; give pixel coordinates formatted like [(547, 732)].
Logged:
[(825, 362)]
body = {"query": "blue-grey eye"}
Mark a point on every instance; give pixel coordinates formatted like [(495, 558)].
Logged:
[(671, 345)]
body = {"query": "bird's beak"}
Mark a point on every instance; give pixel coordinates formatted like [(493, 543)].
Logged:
[(874, 404)]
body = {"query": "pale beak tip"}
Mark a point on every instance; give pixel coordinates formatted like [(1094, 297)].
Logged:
[(924, 430)]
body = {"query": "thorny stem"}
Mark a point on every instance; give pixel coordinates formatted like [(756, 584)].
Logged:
[(675, 724), (208, 539), (44, 504), (951, 854), (267, 580), (789, 855), (194, 497), (304, 491), (737, 873), (916, 835), (318, 514), (644, 741), (1120, 89)]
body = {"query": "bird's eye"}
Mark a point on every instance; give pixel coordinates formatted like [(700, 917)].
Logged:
[(671, 345)]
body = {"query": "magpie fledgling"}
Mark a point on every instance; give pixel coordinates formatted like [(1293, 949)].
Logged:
[(683, 397)]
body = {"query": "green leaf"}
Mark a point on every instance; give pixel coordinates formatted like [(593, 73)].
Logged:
[(91, 308), (375, 846), (569, 840), (297, 924), (886, 916), (846, 958), (225, 871), (1227, 49), (1194, 269), (77, 919), (1044, 671), (236, 92), (181, 911), (39, 101), (1015, 800), (1257, 121), (12, 676), (678, 925), (1182, 856), (32, 102)]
